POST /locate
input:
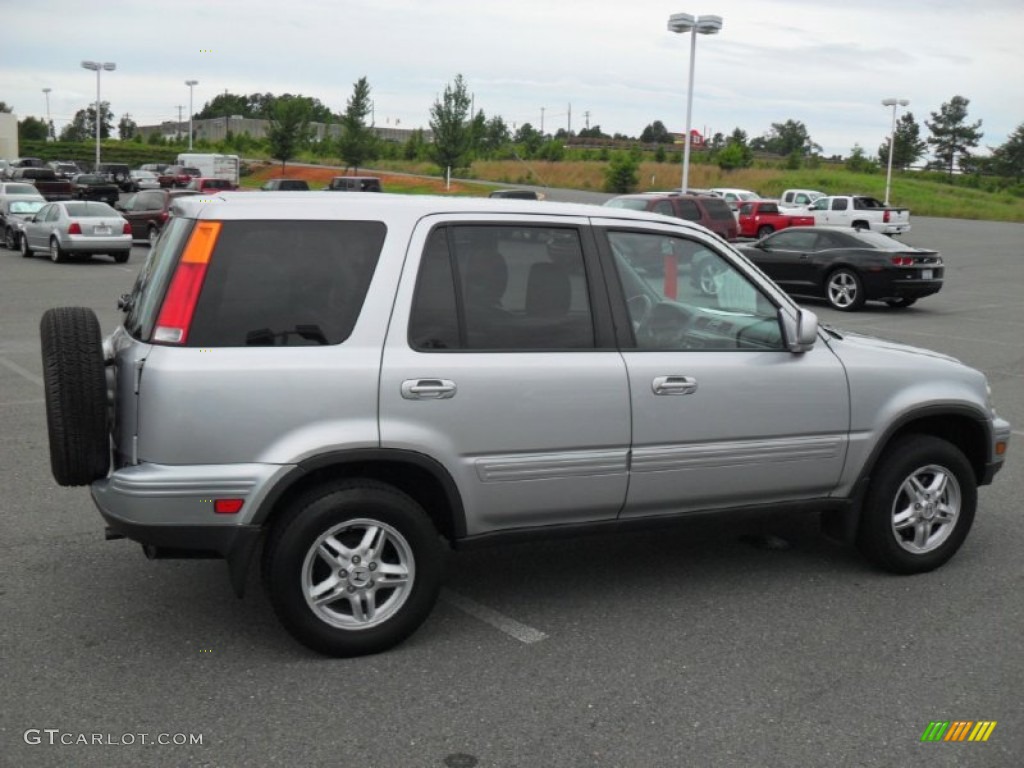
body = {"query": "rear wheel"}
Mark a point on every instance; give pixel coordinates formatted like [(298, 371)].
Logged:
[(26, 250), (353, 568), (151, 234), (10, 241), (844, 290), (861, 226), (764, 231), (121, 256), (57, 255), (919, 507), (75, 387)]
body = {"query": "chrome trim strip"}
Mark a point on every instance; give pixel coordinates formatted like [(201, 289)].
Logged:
[(553, 466), (748, 452)]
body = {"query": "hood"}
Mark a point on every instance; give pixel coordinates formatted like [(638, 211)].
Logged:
[(838, 338)]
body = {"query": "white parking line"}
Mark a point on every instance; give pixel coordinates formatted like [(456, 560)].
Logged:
[(21, 371), (497, 620)]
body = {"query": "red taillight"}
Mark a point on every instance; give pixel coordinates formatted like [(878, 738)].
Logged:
[(180, 302), (163, 217), (126, 229), (885, 216), (227, 506), (75, 228), (903, 261)]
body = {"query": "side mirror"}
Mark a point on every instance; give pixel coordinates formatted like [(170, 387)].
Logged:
[(800, 332)]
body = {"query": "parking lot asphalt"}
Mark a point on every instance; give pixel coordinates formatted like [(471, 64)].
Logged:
[(697, 645)]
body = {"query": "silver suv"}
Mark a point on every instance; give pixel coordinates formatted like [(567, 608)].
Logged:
[(345, 387)]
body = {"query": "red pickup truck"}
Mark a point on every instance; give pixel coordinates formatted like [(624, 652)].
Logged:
[(759, 218)]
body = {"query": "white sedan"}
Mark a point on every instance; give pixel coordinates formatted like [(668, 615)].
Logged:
[(80, 228), (144, 180)]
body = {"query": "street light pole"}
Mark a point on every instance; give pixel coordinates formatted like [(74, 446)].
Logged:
[(97, 67), (49, 136), (190, 84), (705, 25), (894, 103)]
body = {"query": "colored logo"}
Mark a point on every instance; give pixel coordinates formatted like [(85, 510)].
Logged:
[(958, 730)]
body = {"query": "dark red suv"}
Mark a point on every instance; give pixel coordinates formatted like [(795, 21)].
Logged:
[(147, 211), (711, 212), (178, 176)]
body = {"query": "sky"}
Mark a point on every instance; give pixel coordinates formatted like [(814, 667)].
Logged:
[(560, 63)]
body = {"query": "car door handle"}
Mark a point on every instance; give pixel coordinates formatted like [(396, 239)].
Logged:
[(674, 385), (428, 389)]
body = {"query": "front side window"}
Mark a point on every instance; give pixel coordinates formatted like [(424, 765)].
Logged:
[(683, 295), (502, 288)]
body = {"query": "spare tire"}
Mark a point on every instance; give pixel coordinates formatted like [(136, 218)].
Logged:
[(76, 395)]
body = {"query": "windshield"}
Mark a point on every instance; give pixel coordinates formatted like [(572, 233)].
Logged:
[(26, 206)]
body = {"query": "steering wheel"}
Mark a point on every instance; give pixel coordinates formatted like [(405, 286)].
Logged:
[(639, 308), (666, 326)]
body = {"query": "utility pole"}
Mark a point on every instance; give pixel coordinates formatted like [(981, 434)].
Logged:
[(569, 129), (586, 117), (180, 107), (542, 121)]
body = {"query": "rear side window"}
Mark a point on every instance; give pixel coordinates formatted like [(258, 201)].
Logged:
[(718, 209), (688, 210), (286, 283), (502, 288)]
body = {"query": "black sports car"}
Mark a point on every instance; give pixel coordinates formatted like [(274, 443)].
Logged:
[(846, 267)]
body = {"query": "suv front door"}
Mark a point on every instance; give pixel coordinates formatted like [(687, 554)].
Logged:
[(723, 414), (500, 363)]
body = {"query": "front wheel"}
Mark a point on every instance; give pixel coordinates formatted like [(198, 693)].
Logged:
[(919, 507), (845, 290), (10, 241), (354, 568), (26, 250)]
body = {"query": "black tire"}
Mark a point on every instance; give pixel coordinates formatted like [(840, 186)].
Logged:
[(296, 560), (900, 303), (75, 386), (121, 256), (7, 238), (861, 226), (844, 290), (57, 255), (11, 239), (26, 251), (928, 535), (151, 234), (764, 231)]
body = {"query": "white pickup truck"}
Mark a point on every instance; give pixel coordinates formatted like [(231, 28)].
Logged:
[(860, 212)]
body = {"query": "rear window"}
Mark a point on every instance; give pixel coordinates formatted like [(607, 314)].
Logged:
[(718, 209), (20, 189), (286, 283), (688, 210), (88, 209)]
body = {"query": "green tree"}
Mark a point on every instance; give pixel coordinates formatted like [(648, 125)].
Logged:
[(908, 146), (5, 108), (497, 134), (289, 129), (415, 147), (656, 133), (83, 126), (593, 133), (621, 174), (859, 162), (450, 125), (358, 142), (1008, 158), (530, 138), (952, 138), (126, 128), (785, 139), (32, 129), (734, 156)]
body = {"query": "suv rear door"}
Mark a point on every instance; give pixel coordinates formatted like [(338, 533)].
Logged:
[(500, 363), (723, 415)]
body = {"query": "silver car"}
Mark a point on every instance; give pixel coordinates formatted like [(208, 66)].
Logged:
[(342, 388), (13, 215), (80, 228), (144, 180)]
